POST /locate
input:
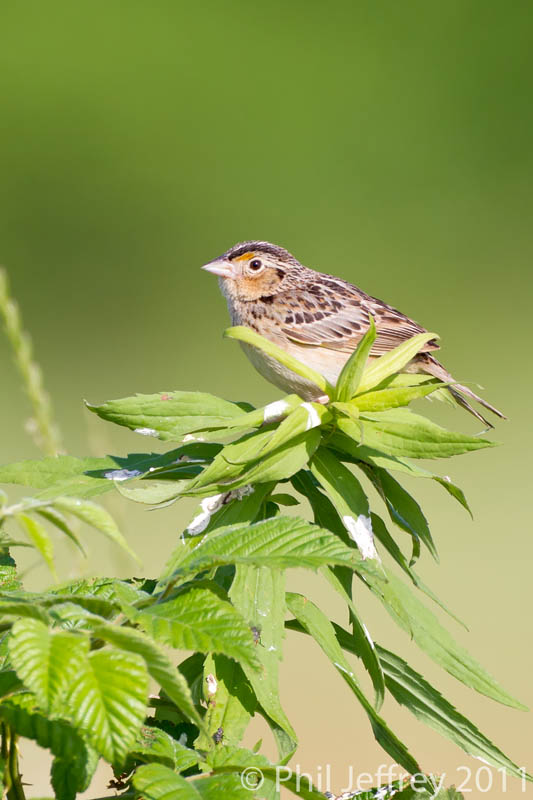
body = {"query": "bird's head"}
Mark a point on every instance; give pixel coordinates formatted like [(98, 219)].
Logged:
[(252, 270)]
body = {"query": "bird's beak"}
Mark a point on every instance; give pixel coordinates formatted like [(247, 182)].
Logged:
[(220, 267)]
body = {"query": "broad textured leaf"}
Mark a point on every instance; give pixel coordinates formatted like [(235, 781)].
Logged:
[(422, 625), (158, 664), (352, 372), (95, 516), (8, 571), (157, 782), (259, 595), (322, 631), (47, 661), (156, 745), (14, 607), (169, 416), (250, 337), (59, 737), (393, 361), (38, 534), (199, 620), (107, 700), (280, 542)]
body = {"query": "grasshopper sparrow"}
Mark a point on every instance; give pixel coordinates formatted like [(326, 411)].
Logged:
[(317, 318)]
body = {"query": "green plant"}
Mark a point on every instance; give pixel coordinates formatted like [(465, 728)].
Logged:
[(77, 659)]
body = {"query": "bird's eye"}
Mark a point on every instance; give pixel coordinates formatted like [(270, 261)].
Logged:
[(256, 264)]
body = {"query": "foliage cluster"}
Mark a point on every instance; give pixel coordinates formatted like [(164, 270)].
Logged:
[(77, 661)]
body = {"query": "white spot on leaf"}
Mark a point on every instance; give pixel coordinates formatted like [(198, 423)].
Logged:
[(146, 432), (360, 531), (210, 505), (122, 474), (275, 410), (212, 684), (313, 420)]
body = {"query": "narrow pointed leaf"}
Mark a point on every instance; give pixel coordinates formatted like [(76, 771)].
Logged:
[(410, 689), (39, 536), (393, 361), (250, 337), (95, 516), (322, 631), (352, 372), (425, 629)]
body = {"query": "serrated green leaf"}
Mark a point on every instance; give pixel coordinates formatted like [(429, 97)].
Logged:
[(38, 534), (158, 664), (57, 736), (250, 337), (157, 782), (107, 700), (169, 416), (352, 372), (156, 745), (198, 619), (321, 629), (45, 660), (393, 361), (281, 542), (14, 607), (95, 516)]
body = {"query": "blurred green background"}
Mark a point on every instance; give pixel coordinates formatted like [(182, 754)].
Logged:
[(389, 143)]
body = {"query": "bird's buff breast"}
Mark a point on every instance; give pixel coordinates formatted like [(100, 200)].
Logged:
[(287, 380)]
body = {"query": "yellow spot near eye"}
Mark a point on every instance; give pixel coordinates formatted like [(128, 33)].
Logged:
[(244, 257)]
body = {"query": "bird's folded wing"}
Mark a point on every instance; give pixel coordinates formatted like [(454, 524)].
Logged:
[(337, 317)]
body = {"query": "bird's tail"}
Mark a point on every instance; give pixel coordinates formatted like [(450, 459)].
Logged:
[(425, 362)]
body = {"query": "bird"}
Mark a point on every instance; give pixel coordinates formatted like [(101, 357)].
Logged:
[(317, 318)]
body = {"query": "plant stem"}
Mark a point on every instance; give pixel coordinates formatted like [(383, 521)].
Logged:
[(16, 791), (46, 432)]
